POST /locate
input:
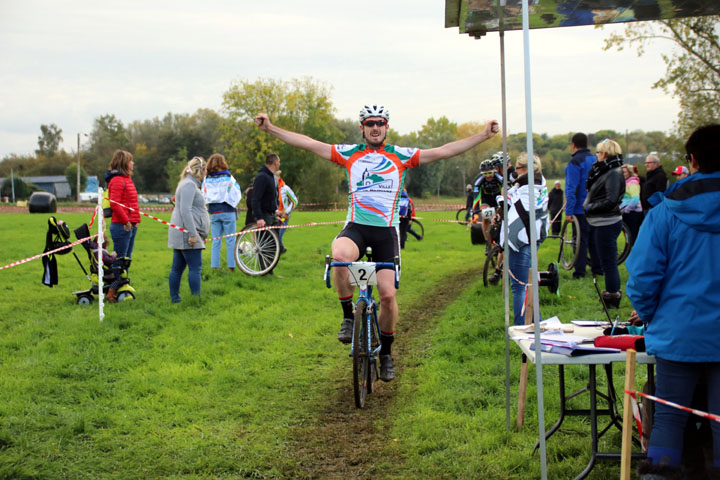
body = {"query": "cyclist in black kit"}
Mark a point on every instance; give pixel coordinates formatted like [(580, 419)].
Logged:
[(488, 185)]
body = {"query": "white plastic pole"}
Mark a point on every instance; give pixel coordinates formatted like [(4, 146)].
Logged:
[(101, 230), (506, 279), (533, 243)]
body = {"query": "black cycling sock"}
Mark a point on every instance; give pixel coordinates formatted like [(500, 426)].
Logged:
[(347, 306), (386, 341)]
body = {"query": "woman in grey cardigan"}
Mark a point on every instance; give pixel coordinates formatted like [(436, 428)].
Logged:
[(190, 214)]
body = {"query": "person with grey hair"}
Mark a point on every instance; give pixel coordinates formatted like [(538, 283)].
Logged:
[(656, 181)]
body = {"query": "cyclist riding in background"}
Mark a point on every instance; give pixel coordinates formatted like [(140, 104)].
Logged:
[(376, 175), (497, 162), (488, 185)]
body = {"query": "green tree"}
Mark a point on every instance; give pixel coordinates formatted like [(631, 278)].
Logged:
[(49, 140), (108, 134), (71, 175), (299, 105), (693, 69), (22, 190)]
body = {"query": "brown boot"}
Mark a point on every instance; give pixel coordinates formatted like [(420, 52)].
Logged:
[(611, 299), (110, 295)]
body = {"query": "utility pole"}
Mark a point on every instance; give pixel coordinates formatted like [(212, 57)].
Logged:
[(78, 170)]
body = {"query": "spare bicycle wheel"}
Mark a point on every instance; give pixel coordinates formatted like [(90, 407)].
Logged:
[(257, 253)]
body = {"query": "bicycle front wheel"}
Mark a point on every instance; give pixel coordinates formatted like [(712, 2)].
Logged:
[(623, 244), (569, 243), (257, 253), (490, 264), (417, 228), (361, 354), (462, 216)]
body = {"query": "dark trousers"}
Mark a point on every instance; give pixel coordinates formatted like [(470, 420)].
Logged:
[(605, 245), (584, 242), (557, 224), (633, 220), (676, 382)]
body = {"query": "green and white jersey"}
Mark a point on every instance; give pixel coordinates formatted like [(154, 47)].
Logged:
[(376, 178)]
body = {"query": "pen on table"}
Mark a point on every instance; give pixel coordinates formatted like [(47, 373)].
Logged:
[(615, 324)]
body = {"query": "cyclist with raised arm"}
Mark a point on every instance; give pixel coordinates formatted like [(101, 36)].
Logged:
[(488, 185), (376, 174)]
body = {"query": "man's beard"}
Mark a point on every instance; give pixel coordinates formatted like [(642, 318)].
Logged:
[(374, 145)]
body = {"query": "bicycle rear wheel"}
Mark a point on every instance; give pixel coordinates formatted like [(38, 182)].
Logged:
[(257, 253), (569, 243), (361, 357)]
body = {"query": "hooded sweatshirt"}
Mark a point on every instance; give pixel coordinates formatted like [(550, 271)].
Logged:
[(674, 282)]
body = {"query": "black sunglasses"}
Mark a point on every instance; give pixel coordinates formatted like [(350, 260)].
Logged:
[(374, 123)]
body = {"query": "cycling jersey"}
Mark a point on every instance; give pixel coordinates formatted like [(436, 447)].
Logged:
[(486, 190), (375, 179)]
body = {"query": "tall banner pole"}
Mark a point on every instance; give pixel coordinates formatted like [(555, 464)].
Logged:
[(506, 283), (101, 231), (533, 241)]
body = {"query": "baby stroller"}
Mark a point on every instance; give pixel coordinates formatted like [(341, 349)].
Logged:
[(124, 290)]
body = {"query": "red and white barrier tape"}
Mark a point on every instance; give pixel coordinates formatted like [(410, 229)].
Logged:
[(29, 259), (700, 413), (150, 216)]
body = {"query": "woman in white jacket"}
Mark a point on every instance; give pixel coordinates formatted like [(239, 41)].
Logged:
[(518, 254), (222, 194)]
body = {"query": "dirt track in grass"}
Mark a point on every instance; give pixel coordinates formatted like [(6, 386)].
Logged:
[(348, 443)]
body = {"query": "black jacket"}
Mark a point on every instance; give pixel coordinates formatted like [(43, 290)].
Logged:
[(606, 187), (555, 200), (264, 193), (656, 181)]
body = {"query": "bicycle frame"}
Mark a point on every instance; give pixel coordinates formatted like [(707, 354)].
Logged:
[(363, 275)]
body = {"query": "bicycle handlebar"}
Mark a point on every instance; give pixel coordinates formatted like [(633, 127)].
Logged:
[(395, 265)]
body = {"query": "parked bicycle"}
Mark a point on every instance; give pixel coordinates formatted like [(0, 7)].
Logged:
[(257, 252), (365, 346)]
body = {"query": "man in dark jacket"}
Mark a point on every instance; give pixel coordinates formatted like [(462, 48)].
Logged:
[(555, 204), (576, 174), (265, 192), (656, 181)]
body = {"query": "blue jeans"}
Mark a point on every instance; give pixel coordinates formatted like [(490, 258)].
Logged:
[(281, 231), (193, 260), (123, 244), (605, 244), (676, 382), (223, 224), (519, 264)]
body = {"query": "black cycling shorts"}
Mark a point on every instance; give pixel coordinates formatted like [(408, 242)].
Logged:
[(383, 241)]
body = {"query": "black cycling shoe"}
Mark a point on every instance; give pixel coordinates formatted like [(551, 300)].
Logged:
[(346, 331), (495, 277), (387, 368)]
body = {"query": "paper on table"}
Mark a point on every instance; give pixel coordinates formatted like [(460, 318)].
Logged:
[(589, 323), (555, 337)]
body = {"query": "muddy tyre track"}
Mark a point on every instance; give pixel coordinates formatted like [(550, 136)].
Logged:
[(348, 443)]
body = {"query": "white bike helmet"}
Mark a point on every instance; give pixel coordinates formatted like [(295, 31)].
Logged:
[(368, 111)]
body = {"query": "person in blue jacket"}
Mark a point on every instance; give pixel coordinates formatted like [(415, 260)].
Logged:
[(674, 284), (576, 175)]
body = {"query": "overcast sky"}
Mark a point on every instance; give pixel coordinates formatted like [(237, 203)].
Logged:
[(70, 62)]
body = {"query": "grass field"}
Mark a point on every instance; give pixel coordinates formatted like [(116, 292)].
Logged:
[(236, 384)]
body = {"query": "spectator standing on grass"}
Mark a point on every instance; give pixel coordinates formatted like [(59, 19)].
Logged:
[(265, 193), (125, 215), (655, 181), (630, 206), (606, 188), (222, 195), (576, 174), (681, 172), (518, 253), (556, 198), (673, 284), (191, 215), (287, 202)]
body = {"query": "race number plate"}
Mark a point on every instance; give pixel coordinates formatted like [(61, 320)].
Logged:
[(362, 273)]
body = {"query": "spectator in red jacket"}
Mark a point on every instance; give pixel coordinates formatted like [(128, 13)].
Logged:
[(125, 213)]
